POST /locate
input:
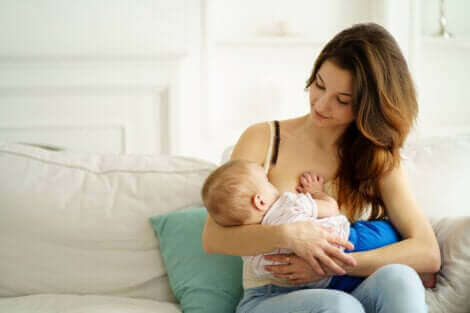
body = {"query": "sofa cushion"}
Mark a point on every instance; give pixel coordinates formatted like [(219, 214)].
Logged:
[(78, 224), (202, 283), (453, 280), (84, 304)]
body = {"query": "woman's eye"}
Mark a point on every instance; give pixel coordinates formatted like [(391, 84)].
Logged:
[(342, 102), (318, 86)]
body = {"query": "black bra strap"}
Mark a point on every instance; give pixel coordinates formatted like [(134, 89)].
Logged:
[(277, 138)]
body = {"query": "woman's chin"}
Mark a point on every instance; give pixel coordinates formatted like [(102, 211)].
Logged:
[(319, 121)]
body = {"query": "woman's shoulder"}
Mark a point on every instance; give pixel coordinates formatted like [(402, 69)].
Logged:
[(261, 130), (253, 143), (290, 127)]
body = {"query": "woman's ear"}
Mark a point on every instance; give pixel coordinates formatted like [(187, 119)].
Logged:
[(258, 202)]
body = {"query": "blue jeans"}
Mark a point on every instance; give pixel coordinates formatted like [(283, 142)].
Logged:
[(393, 288)]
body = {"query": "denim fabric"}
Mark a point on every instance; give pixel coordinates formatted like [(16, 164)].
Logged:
[(393, 288)]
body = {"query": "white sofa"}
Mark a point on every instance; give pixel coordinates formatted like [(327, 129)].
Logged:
[(75, 235)]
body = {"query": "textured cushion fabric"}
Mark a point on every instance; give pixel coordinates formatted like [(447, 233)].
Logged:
[(439, 174), (83, 304), (78, 224), (202, 283), (452, 291)]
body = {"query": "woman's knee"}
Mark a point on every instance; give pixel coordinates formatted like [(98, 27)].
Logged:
[(347, 304), (398, 281), (393, 288), (341, 302), (398, 275)]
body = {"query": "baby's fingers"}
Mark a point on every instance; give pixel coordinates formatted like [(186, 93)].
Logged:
[(308, 177)]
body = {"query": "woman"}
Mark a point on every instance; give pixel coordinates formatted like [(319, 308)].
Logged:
[(362, 107)]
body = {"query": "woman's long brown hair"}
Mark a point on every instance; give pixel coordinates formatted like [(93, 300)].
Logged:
[(385, 108)]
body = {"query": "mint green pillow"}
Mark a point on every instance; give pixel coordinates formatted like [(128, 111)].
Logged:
[(202, 283)]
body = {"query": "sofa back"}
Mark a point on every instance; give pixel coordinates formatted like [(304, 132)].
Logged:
[(78, 224), (72, 223), (439, 174)]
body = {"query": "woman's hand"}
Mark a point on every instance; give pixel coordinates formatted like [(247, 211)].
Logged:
[(295, 269), (318, 247)]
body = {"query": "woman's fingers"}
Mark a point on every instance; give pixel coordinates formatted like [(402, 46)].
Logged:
[(314, 244), (335, 240), (278, 269), (340, 255), (330, 264), (332, 249), (316, 267), (280, 258), (297, 272)]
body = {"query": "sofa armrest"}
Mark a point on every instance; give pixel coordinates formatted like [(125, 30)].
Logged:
[(452, 291)]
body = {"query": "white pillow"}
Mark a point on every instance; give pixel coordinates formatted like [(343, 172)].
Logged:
[(439, 174), (78, 224), (452, 291)]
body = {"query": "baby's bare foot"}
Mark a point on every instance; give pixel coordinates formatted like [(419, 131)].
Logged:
[(310, 183)]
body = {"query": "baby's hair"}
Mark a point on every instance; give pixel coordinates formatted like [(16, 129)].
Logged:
[(227, 192)]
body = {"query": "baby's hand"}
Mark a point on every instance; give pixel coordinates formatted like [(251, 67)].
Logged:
[(310, 183)]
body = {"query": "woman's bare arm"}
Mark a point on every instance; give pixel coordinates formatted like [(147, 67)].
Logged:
[(238, 240), (419, 248), (251, 146)]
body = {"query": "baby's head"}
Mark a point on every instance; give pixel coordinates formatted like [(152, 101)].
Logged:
[(237, 193)]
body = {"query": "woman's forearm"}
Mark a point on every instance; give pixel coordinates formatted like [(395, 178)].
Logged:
[(242, 240), (416, 253)]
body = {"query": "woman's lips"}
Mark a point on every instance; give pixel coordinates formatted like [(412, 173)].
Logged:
[(320, 115)]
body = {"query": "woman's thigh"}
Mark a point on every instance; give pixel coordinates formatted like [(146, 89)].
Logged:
[(301, 301), (393, 288)]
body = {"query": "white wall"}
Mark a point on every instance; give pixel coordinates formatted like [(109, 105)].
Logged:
[(187, 76), (257, 72), (443, 69), (101, 76)]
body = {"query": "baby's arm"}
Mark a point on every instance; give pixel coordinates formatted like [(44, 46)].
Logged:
[(313, 184)]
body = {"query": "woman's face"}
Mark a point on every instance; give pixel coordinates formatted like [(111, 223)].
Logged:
[(331, 97)]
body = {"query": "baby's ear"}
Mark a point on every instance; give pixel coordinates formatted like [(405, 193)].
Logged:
[(258, 202)]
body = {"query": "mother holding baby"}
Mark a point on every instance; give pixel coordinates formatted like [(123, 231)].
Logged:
[(362, 107)]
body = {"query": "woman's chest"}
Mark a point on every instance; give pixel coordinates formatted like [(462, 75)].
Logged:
[(291, 163)]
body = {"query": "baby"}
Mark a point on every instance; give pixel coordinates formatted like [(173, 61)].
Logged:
[(239, 193)]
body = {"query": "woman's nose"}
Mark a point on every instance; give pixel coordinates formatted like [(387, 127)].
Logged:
[(323, 104)]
